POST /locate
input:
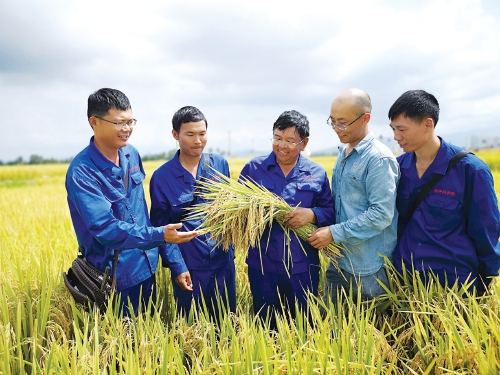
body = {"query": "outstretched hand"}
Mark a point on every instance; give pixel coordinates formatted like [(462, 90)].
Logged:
[(171, 235)]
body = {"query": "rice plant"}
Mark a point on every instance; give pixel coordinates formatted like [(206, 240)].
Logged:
[(238, 212), (415, 328)]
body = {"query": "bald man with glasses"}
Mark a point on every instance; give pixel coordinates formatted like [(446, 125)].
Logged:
[(364, 186)]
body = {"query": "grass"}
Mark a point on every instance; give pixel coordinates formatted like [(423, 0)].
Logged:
[(413, 329)]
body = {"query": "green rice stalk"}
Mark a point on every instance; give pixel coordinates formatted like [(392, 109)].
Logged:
[(237, 213)]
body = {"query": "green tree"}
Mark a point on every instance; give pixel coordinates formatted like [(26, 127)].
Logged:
[(36, 159)]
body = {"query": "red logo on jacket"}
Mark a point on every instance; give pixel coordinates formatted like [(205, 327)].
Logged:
[(445, 192)]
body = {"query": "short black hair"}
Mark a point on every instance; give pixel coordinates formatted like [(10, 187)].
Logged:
[(185, 115), (101, 101), (416, 105), (293, 118)]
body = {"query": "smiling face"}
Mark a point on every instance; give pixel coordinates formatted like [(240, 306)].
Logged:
[(192, 138), (286, 153), (108, 138)]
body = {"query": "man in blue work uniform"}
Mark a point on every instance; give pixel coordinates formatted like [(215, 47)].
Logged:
[(283, 271), (364, 185), (454, 231), (107, 205), (199, 270)]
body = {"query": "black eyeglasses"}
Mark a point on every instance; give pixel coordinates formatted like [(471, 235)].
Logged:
[(342, 126), (120, 125)]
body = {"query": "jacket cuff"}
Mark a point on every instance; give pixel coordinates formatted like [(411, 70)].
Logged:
[(338, 233), (177, 268), (158, 235), (320, 218), (172, 258)]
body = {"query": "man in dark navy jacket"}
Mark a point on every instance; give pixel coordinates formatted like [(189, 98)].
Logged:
[(284, 270), (454, 231), (199, 269)]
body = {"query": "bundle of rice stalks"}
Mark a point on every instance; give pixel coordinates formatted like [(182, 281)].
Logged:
[(237, 213)]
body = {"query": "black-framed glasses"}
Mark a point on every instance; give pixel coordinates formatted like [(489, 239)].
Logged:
[(120, 125), (277, 142), (342, 126)]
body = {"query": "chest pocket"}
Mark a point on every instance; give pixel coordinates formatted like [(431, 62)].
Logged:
[(268, 184), (178, 205), (307, 193), (444, 212), (136, 179), (354, 183)]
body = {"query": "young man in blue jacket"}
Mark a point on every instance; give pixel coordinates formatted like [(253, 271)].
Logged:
[(454, 231), (200, 271), (107, 205), (364, 185), (284, 270)]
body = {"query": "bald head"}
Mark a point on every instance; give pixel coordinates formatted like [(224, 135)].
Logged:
[(349, 116), (357, 99)]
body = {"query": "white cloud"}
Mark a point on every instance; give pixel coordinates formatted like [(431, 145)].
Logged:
[(241, 63)]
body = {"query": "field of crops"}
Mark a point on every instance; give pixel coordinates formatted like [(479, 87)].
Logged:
[(412, 330)]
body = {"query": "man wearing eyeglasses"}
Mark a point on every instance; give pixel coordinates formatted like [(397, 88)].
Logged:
[(107, 205), (364, 186), (282, 270)]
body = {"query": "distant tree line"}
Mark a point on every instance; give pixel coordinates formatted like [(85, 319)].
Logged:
[(161, 156), (37, 159)]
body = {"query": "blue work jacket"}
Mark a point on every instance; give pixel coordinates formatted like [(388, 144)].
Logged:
[(455, 229), (171, 190), (364, 187), (306, 185), (97, 200)]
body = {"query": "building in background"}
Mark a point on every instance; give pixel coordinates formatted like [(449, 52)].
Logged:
[(478, 142)]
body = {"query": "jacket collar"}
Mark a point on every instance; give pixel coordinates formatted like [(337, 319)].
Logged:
[(301, 165), (179, 171), (364, 143), (440, 163), (104, 163)]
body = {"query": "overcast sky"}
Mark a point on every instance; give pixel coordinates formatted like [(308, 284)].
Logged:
[(242, 64)]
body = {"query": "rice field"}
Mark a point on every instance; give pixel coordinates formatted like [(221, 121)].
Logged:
[(413, 329)]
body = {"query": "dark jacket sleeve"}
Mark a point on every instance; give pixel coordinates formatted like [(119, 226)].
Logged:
[(483, 221)]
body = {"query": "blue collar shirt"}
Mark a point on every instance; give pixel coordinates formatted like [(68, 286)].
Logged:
[(306, 185), (171, 190), (364, 185), (454, 231), (97, 202)]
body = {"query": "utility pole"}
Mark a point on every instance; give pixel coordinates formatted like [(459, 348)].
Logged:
[(229, 143)]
